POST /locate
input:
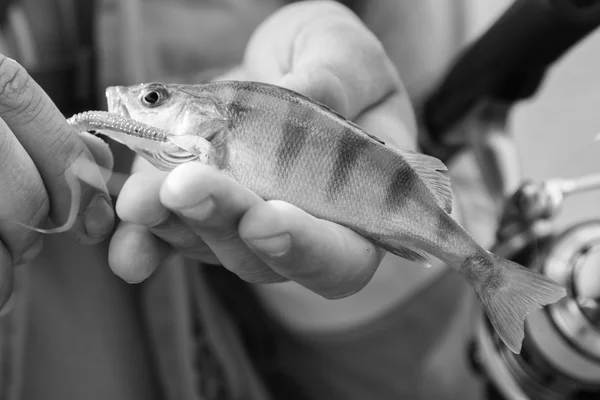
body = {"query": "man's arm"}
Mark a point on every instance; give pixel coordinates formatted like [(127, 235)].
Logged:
[(421, 38)]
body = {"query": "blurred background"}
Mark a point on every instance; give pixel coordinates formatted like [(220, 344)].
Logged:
[(555, 130)]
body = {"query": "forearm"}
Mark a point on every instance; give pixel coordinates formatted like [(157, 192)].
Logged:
[(421, 38)]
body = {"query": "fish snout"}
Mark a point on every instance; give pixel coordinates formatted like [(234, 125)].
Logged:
[(114, 98)]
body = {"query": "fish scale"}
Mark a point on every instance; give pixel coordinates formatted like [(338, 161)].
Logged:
[(285, 146)]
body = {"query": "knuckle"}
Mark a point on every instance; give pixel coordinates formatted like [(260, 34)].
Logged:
[(14, 82)]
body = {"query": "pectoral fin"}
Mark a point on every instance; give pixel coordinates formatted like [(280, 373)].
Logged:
[(197, 146)]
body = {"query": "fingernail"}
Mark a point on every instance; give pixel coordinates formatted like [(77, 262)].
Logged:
[(133, 282), (99, 217), (200, 211), (31, 253), (9, 305), (274, 246)]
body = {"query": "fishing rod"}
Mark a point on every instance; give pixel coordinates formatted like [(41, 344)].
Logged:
[(560, 359)]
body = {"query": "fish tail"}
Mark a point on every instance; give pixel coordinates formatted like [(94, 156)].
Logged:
[(511, 295)]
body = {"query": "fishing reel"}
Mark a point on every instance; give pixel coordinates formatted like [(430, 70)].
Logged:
[(469, 109), (560, 358)]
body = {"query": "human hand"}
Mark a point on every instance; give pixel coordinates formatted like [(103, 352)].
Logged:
[(319, 49), (38, 150)]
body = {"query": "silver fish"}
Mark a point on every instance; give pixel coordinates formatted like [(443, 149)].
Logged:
[(285, 146)]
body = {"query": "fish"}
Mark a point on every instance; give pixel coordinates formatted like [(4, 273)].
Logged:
[(285, 146)]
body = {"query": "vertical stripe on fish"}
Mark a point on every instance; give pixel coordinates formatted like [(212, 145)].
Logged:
[(350, 147), (401, 188), (295, 133), (240, 104)]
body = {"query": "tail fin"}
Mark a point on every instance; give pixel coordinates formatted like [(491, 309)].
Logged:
[(520, 292)]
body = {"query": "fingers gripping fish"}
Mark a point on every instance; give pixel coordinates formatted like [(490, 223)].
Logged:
[(285, 146)]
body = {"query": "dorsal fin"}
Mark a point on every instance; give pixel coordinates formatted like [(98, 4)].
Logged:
[(434, 174)]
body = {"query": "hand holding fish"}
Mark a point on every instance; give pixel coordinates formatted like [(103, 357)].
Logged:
[(335, 60), (38, 152)]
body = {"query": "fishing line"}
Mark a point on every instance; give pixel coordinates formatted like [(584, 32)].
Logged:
[(86, 171), (75, 189)]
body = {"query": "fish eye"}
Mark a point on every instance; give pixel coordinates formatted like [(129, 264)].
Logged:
[(154, 96)]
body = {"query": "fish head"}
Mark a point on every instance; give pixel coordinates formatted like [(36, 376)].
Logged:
[(178, 109), (189, 114)]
